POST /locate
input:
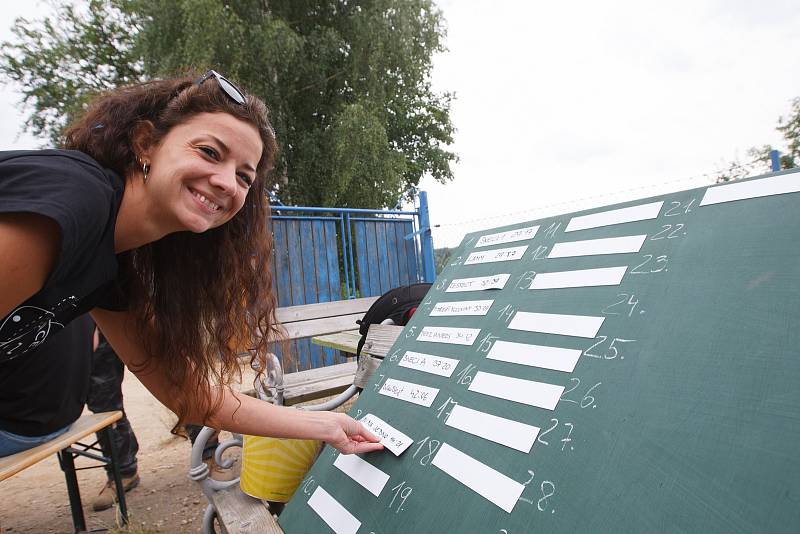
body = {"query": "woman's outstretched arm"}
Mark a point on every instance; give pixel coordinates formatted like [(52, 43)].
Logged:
[(238, 413)]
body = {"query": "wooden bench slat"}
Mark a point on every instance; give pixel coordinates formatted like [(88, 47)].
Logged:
[(321, 310), (380, 339), (314, 384), (343, 341), (327, 325), (320, 374), (85, 425), (240, 513), (317, 390)]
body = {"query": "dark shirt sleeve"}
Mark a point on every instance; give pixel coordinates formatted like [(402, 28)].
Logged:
[(68, 187)]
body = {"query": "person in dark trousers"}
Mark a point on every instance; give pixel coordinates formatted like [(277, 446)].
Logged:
[(105, 395)]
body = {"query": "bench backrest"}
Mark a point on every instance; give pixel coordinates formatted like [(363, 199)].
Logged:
[(307, 320)]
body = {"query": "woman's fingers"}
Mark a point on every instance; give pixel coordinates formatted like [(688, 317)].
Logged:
[(356, 447), (354, 438), (365, 446), (365, 434)]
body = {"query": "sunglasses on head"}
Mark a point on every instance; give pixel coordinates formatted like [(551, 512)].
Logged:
[(227, 87)]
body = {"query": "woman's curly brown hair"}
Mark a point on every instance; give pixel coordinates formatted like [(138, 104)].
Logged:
[(199, 297)]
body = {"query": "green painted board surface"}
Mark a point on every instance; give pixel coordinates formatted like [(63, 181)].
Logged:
[(682, 413)]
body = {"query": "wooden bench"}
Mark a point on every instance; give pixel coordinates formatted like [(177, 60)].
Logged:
[(65, 446), (310, 320), (236, 512)]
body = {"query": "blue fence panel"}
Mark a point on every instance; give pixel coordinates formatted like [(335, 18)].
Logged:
[(296, 288), (391, 254), (310, 286), (360, 231), (321, 262), (412, 261), (405, 274), (281, 264), (372, 260), (318, 354), (325, 254), (281, 277), (331, 256), (307, 271), (383, 257)]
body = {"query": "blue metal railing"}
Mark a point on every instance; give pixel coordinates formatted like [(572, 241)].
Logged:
[(347, 218)]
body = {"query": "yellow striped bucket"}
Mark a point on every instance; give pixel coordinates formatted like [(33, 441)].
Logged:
[(272, 468)]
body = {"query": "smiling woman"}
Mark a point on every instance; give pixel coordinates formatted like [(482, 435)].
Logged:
[(154, 220)]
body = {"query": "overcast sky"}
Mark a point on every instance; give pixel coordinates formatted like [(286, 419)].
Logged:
[(565, 105)]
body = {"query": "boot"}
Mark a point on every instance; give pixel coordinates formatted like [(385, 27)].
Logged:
[(108, 495)]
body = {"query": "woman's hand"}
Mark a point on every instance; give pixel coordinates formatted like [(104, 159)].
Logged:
[(347, 435)]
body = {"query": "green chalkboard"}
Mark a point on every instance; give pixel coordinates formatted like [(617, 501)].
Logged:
[(681, 414)]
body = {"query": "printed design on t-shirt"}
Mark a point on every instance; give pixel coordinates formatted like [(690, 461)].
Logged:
[(27, 327)]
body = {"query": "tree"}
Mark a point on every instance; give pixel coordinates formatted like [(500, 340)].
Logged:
[(60, 62), (441, 256), (761, 160), (347, 82)]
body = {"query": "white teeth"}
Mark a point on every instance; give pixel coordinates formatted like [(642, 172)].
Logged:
[(205, 201)]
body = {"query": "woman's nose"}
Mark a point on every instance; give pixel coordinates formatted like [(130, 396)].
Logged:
[(225, 180)]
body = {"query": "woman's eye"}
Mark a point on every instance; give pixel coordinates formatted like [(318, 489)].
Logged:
[(210, 152), (246, 180)]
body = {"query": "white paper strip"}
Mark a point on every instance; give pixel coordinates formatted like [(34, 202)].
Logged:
[(555, 358), (363, 472), (606, 276), (479, 477), (428, 363), (507, 237), (775, 185), (619, 216), (504, 431), (391, 438), (596, 247), (495, 281), (464, 307), (334, 514), (553, 323), (527, 392), (409, 392), (500, 254), (445, 334)]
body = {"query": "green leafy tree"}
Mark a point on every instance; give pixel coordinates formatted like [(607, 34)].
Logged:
[(60, 62), (760, 158), (347, 82), (441, 256)]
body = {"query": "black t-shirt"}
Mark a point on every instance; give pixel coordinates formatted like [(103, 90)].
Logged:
[(46, 390), (83, 198)]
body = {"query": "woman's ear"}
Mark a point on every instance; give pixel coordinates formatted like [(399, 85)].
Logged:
[(142, 140)]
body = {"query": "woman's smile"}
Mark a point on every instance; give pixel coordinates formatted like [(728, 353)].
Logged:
[(205, 202)]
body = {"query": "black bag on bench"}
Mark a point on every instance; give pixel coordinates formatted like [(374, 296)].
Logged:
[(397, 305)]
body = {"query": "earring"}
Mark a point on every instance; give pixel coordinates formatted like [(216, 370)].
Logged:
[(145, 170)]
